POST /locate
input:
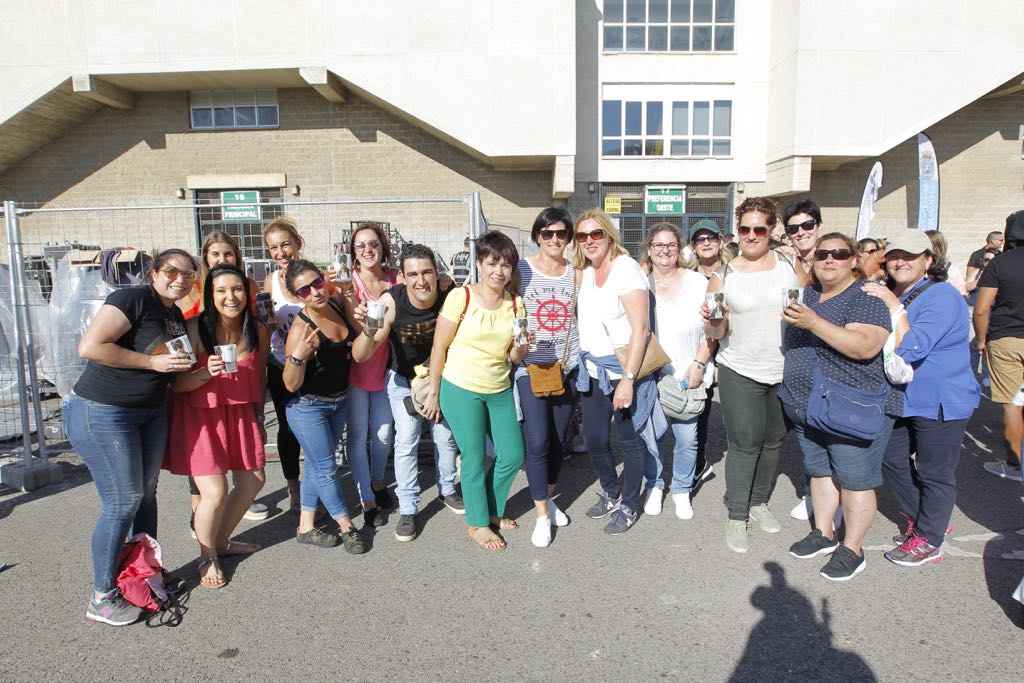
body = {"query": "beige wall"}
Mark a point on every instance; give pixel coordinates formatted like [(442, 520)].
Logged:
[(350, 151)]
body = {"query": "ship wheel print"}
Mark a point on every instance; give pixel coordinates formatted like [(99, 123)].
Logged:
[(551, 315)]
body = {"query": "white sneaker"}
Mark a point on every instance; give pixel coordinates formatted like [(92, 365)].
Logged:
[(558, 517), (653, 505), (803, 509), (542, 532), (683, 508)]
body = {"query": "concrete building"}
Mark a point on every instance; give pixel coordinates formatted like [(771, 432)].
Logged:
[(657, 109)]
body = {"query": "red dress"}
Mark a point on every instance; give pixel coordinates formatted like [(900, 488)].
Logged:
[(213, 429)]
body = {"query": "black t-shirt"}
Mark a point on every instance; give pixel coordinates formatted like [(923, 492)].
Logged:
[(327, 370), (412, 332), (1006, 274), (974, 260), (152, 326)]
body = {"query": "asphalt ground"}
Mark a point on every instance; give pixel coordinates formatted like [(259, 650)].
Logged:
[(667, 600)]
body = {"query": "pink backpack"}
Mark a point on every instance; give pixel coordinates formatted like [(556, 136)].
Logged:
[(141, 580)]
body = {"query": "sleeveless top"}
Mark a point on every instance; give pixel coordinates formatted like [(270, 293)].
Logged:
[(679, 325), (327, 370), (241, 387), (285, 312), (412, 333), (369, 376), (753, 346), (549, 303)]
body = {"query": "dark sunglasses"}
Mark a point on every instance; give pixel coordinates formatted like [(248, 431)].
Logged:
[(806, 226), (836, 254), (595, 235), (705, 238), (172, 274), (561, 233), (759, 231), (871, 251), (304, 291)]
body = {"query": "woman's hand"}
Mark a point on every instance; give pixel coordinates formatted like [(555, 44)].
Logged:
[(359, 314), (694, 376), (623, 396), (170, 362), (430, 409), (799, 315), (307, 345), (215, 365), (880, 291)]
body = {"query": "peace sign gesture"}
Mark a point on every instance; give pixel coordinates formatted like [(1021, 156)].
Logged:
[(306, 343)]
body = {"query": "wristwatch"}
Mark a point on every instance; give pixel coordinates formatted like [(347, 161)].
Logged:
[(629, 375), (296, 361)]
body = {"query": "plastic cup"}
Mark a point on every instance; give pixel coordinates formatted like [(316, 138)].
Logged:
[(375, 314), (716, 305), (229, 354), (792, 295)]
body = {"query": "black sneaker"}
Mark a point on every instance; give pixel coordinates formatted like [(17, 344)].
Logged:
[(374, 518), (622, 519), (812, 545), (405, 530), (317, 537), (112, 609), (603, 507), (384, 499), (843, 565), (454, 503), (352, 541)]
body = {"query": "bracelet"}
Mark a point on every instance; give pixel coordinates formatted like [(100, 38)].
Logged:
[(702, 365), (261, 419), (295, 361)]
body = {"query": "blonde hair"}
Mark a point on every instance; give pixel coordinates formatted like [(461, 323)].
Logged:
[(284, 224), (579, 260), (681, 261)]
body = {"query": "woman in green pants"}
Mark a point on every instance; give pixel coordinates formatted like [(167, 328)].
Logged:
[(475, 332)]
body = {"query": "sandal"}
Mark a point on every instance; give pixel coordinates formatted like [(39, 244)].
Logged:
[(239, 548), (503, 523), (488, 543), (211, 578)]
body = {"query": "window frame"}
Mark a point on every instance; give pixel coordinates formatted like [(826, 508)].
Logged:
[(224, 108), (617, 21), (668, 139)]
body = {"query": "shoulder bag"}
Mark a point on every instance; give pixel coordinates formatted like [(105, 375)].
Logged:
[(844, 411)]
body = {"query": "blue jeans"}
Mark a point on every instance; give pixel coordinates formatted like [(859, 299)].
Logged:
[(407, 442), (369, 415), (598, 417), (653, 467), (545, 423), (123, 448), (684, 453), (318, 425)]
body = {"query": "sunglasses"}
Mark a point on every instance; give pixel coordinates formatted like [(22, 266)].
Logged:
[(871, 251), (561, 234), (806, 226), (304, 291), (664, 246), (595, 235), (759, 231), (372, 244), (705, 238), (172, 274), (836, 254)]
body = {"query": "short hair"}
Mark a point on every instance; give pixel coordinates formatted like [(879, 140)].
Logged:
[(763, 205), (219, 237), (993, 235), (296, 268), (209, 317), (496, 244), (411, 250), (160, 260), (579, 260), (284, 224), (378, 230), (657, 228), (808, 206), (858, 273), (549, 217)]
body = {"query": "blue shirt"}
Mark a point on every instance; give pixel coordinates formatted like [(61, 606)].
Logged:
[(937, 348)]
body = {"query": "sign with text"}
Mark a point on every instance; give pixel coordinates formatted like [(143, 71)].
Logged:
[(613, 205), (666, 200), (240, 205)]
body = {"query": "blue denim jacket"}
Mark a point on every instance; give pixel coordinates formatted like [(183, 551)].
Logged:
[(648, 417)]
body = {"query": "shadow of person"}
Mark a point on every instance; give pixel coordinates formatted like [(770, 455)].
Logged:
[(791, 642)]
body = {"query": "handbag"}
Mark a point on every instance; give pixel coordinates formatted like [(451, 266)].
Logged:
[(679, 403), (844, 411), (546, 379), (655, 357)]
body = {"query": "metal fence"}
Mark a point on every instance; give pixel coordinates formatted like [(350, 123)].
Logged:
[(52, 284)]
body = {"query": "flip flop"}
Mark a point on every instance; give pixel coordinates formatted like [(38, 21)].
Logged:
[(205, 579), (491, 543), (504, 523), (239, 548)]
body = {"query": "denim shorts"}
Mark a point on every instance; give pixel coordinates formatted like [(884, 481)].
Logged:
[(856, 465)]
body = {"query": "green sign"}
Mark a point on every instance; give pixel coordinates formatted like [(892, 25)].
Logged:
[(240, 205), (664, 200)]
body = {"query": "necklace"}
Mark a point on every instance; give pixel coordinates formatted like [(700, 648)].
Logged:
[(667, 281)]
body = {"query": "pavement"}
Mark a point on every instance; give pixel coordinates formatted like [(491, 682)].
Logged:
[(667, 600)]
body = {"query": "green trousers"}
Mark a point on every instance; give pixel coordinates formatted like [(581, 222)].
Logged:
[(473, 417)]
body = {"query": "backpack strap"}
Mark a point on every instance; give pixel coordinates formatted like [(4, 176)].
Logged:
[(918, 292), (466, 306)]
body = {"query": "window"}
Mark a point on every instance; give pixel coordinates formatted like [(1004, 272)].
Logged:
[(254, 108), (699, 128), (247, 232), (669, 25)]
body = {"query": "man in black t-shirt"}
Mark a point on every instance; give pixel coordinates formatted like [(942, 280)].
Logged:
[(994, 240), (999, 330), (408, 326)]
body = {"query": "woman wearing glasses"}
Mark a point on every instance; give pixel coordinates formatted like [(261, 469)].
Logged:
[(369, 411), (612, 311), (318, 360), (750, 364), (838, 330), (116, 418), (802, 222), (547, 283)]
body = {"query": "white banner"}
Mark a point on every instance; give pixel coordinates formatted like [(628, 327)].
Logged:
[(867, 202), (928, 184)]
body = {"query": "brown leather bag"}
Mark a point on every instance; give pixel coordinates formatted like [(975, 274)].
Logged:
[(655, 357)]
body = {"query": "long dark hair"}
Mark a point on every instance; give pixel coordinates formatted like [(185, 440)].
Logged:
[(209, 317)]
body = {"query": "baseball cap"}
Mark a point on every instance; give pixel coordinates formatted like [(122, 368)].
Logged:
[(911, 240), (704, 224)]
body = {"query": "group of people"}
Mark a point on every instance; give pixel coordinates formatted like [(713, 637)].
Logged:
[(867, 369)]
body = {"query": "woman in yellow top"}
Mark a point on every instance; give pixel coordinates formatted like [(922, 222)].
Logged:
[(475, 330)]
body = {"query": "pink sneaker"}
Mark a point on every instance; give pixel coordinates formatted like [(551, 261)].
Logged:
[(914, 552)]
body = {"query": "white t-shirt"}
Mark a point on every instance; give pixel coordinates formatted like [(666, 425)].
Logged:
[(602, 323), (680, 326)]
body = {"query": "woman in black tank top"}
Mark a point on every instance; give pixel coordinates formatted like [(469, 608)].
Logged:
[(318, 354)]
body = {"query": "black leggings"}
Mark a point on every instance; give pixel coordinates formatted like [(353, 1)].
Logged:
[(287, 444)]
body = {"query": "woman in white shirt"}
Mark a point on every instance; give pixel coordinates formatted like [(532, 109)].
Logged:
[(612, 310)]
